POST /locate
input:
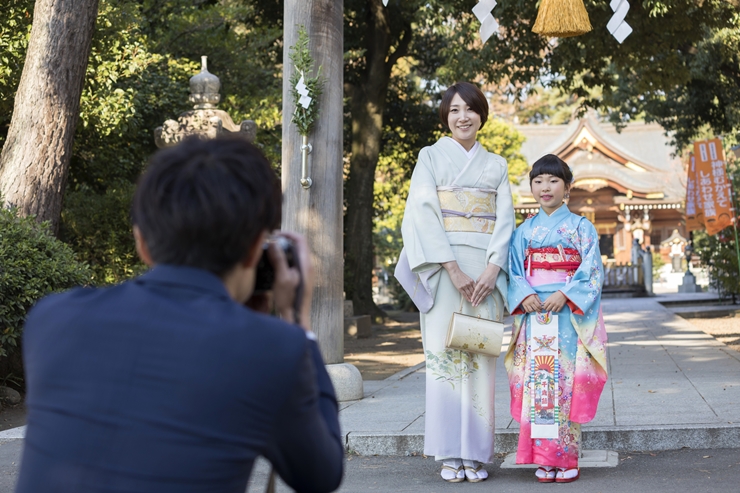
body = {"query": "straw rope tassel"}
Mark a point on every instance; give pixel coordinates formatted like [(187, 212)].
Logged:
[(562, 19)]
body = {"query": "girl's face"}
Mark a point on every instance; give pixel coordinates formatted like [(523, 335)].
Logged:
[(549, 191), (463, 122)]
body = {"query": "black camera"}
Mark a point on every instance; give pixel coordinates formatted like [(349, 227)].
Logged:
[(265, 277)]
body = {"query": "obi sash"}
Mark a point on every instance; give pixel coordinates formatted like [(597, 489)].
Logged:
[(551, 258), (467, 209)]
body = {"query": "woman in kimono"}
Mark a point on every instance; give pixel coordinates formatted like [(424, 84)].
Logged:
[(556, 370), (456, 231)]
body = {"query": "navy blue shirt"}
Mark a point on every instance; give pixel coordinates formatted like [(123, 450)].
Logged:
[(165, 384)]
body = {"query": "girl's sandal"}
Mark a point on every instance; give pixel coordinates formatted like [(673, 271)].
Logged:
[(567, 476), (545, 474), (457, 476)]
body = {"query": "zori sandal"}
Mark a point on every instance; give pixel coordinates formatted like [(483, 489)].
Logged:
[(567, 475), (474, 471), (452, 474), (545, 474)]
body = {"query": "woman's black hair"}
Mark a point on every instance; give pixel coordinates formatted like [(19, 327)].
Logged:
[(550, 164), (473, 97)]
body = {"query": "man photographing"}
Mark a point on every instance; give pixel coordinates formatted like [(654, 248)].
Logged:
[(167, 382)]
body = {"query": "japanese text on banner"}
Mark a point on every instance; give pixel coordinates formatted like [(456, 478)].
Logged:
[(693, 199), (712, 185)]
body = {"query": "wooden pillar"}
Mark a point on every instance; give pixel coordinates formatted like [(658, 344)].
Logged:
[(317, 212)]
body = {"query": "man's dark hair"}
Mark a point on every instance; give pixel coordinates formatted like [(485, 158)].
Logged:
[(550, 164), (204, 203), (469, 93)]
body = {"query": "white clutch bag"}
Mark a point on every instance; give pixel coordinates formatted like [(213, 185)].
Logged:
[(475, 334)]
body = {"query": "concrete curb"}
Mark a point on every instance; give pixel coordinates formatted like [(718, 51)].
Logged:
[(645, 439), (12, 434)]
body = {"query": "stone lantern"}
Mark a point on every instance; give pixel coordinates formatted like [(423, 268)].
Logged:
[(204, 120)]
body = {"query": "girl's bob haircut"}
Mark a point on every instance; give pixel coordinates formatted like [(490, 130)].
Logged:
[(469, 93), (550, 164)]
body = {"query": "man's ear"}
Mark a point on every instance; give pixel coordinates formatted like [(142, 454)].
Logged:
[(255, 252), (141, 247)]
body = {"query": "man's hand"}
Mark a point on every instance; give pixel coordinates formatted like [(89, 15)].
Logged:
[(485, 284), (460, 280), (532, 303), (555, 302), (288, 279)]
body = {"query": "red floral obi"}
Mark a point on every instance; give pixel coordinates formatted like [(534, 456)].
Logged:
[(551, 258)]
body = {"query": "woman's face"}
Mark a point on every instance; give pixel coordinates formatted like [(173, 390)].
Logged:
[(549, 191), (463, 122)]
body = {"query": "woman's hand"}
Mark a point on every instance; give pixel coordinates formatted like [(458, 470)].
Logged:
[(460, 280), (555, 302), (485, 284), (532, 303)]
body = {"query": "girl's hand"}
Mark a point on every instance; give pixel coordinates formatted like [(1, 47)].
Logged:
[(485, 284), (460, 280), (555, 302), (532, 303)]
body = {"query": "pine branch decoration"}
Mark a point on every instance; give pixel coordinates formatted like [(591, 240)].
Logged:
[(303, 62)]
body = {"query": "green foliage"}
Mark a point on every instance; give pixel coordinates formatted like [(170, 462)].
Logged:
[(129, 90), (34, 264), (300, 55), (658, 263), (501, 138), (98, 226), (719, 252), (142, 56), (15, 29), (679, 66)]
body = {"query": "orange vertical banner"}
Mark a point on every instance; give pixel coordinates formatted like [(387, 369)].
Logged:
[(713, 185), (693, 198)]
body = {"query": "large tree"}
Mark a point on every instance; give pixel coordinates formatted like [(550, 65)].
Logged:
[(679, 67), (36, 154)]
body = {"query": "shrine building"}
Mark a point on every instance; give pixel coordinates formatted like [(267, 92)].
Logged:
[(627, 184)]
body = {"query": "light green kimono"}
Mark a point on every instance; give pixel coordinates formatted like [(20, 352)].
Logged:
[(459, 419)]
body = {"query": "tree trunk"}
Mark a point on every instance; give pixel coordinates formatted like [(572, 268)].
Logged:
[(316, 212), (367, 105), (36, 155)]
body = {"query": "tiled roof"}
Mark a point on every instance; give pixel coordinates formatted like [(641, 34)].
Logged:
[(645, 145)]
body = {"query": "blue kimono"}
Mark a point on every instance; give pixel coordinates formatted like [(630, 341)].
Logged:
[(559, 252)]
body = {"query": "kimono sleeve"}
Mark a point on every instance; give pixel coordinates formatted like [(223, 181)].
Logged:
[(498, 248), (584, 289), (519, 288), (424, 237)]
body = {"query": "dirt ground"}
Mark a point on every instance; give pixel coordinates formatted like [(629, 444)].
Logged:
[(394, 346)]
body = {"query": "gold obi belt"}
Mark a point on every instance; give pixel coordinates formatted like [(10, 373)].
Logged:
[(468, 209)]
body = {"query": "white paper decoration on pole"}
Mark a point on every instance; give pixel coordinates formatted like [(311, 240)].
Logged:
[(617, 26), (385, 3), (488, 25), (305, 100)]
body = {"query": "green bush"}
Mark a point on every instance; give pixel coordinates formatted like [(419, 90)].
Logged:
[(33, 263), (658, 263), (98, 228)]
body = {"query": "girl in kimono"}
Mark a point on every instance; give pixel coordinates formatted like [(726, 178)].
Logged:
[(456, 231), (555, 269)]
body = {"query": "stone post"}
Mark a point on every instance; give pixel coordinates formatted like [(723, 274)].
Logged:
[(648, 266), (316, 211)]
